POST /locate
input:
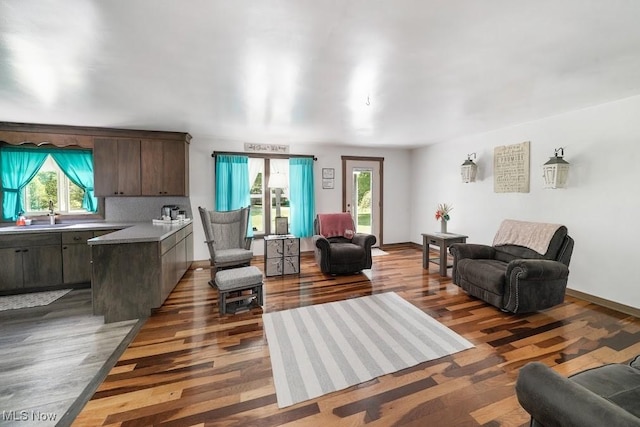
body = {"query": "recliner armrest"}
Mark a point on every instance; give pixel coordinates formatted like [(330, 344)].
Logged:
[(472, 250), (364, 240), (537, 269), (554, 400), (321, 242)]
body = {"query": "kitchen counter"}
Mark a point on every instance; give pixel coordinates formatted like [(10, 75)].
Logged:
[(139, 232), (48, 228), (129, 232)]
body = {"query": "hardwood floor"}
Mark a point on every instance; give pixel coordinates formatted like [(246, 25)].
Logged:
[(188, 366)]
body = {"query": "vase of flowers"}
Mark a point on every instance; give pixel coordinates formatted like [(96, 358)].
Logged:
[(442, 214)]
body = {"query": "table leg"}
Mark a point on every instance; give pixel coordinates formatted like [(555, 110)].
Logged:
[(443, 259), (425, 253)]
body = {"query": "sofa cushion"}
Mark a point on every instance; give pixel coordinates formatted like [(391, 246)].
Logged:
[(619, 384), (347, 253), (490, 272)]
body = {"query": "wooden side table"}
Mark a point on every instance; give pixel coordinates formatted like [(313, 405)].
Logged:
[(442, 240)]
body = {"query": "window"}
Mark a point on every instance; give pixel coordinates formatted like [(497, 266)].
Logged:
[(263, 198), (51, 184)]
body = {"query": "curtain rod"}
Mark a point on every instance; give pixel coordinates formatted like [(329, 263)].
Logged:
[(263, 155)]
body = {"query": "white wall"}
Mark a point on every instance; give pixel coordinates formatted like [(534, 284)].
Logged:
[(600, 207), (396, 176)]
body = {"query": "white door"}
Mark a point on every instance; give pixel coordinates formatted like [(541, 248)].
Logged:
[(363, 196)]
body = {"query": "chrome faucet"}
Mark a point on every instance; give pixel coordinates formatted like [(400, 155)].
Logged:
[(51, 207)]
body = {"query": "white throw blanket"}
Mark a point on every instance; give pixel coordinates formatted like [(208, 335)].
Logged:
[(533, 235)]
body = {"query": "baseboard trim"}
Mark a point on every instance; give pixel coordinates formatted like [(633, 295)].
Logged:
[(622, 308)]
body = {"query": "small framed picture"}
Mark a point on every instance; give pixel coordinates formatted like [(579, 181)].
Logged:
[(327, 183), (328, 173), (282, 225)]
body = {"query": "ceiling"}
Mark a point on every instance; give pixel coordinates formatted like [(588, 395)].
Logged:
[(355, 72)]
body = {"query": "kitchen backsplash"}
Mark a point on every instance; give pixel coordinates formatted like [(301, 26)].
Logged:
[(141, 208)]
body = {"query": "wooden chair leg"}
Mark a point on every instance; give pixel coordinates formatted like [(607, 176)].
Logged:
[(222, 302)]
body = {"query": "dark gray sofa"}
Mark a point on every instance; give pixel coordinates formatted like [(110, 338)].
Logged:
[(605, 396), (514, 278)]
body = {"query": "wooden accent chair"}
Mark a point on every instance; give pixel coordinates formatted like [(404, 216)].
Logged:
[(525, 270), (227, 240)]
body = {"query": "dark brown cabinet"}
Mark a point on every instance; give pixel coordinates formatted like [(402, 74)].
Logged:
[(116, 167), (42, 266), (11, 271), (131, 279), (32, 261), (127, 162), (76, 257), (164, 168)]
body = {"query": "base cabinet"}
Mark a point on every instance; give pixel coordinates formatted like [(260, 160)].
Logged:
[(131, 279), (76, 257), (52, 260), (30, 261), (42, 266)]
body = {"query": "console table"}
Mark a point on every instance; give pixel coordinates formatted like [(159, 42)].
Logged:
[(281, 255), (443, 241)]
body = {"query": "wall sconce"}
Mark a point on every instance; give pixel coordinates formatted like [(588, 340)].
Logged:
[(469, 170), (556, 170)]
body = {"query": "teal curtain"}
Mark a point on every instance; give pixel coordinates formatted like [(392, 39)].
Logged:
[(18, 166), (232, 182), (78, 166), (301, 196)]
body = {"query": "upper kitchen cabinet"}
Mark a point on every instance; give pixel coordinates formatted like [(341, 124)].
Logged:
[(164, 167), (126, 162), (116, 167)]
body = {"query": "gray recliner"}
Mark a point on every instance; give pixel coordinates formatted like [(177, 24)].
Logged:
[(527, 275), (226, 234), (605, 396), (338, 249)]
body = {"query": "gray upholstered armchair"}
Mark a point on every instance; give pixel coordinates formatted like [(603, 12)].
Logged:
[(226, 234), (604, 396), (526, 269), (338, 249)]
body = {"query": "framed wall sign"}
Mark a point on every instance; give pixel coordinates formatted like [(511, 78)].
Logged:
[(328, 173), (511, 168), (327, 183)]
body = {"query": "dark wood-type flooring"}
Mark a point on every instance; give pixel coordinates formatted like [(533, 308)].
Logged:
[(190, 367)]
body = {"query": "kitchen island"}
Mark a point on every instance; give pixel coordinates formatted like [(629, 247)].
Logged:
[(135, 269)]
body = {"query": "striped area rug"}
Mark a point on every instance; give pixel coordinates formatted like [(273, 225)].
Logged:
[(322, 348)]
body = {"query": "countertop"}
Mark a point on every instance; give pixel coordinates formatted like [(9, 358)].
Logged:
[(140, 232), (129, 232), (49, 228)]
